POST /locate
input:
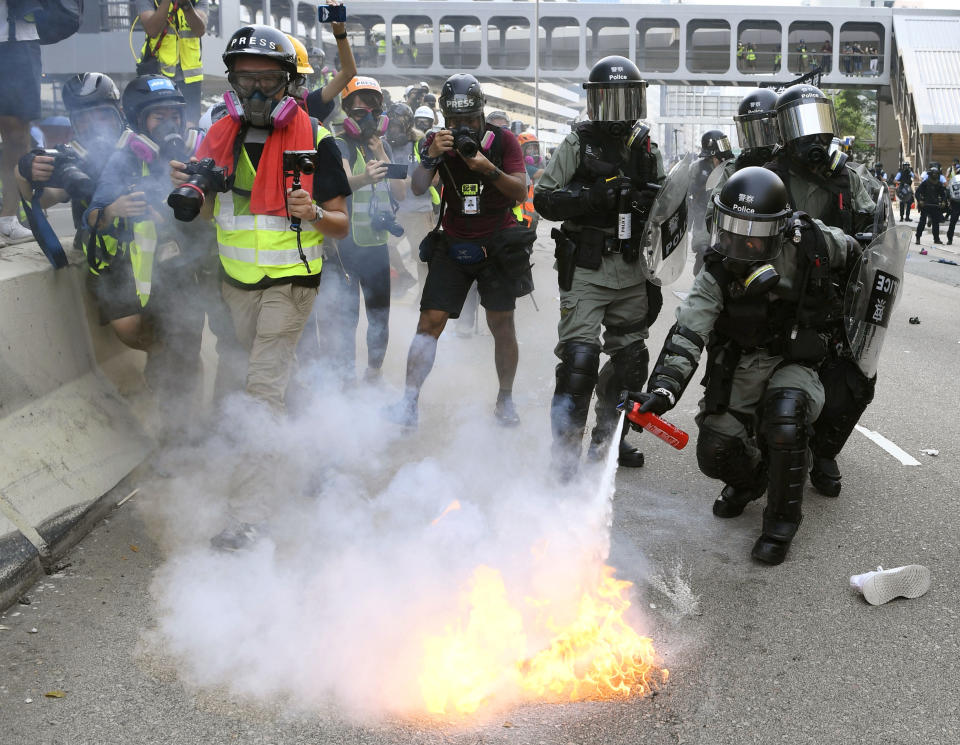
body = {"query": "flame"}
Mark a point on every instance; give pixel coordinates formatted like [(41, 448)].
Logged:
[(454, 505), (597, 655)]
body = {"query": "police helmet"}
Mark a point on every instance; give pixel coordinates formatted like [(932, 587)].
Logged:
[(461, 95), (715, 143), (149, 92), (615, 91), (756, 120), (261, 41), (750, 215), (804, 111)]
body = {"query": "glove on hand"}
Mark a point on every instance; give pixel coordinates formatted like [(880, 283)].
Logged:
[(658, 401), (604, 195)]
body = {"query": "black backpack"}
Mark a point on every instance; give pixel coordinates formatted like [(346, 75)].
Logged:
[(58, 20)]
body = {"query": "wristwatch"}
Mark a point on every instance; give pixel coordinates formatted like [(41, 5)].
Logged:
[(318, 213)]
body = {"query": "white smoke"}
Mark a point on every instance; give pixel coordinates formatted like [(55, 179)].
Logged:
[(357, 570)]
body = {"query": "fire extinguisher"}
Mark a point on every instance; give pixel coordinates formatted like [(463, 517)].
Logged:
[(670, 434)]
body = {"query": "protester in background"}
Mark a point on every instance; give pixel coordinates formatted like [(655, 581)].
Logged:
[(172, 48), (19, 104), (483, 178), (953, 191)]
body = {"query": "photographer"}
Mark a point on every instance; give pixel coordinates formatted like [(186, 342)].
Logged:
[(415, 214), (173, 29), (270, 272), (483, 177), (363, 255), (159, 254), (70, 174)]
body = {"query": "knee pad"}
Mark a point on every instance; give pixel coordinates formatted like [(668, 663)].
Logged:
[(724, 457), (578, 368), (625, 370), (784, 419)]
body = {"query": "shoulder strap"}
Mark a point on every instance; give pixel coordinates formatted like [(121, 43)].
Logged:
[(237, 147)]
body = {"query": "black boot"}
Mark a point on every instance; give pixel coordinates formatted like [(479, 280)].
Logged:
[(785, 430), (625, 370), (825, 476), (733, 501)]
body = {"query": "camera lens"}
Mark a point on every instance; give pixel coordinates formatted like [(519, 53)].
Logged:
[(76, 183), (305, 164), (187, 200), (466, 145)]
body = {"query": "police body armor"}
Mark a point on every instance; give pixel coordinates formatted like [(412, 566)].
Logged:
[(602, 156)]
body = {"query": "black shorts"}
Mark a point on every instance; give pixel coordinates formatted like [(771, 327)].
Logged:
[(115, 291), (20, 91), (448, 283)]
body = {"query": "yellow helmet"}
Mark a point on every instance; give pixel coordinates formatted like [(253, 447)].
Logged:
[(303, 63)]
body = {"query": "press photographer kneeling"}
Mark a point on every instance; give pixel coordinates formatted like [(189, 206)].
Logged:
[(477, 239)]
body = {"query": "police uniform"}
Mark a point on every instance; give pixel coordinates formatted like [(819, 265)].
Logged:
[(610, 286), (843, 202), (764, 346)]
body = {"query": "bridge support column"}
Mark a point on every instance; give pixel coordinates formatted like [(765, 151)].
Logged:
[(889, 147)]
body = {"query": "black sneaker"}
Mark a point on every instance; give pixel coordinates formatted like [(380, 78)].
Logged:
[(236, 538)]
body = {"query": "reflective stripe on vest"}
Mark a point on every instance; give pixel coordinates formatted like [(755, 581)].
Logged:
[(360, 231), (253, 247), (142, 250), (180, 47), (529, 213)]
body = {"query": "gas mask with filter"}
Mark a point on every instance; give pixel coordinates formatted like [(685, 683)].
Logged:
[(750, 217)]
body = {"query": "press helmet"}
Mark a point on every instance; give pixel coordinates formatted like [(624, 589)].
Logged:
[(461, 95), (756, 120), (750, 215), (303, 60), (149, 92), (262, 41), (615, 91), (715, 143)]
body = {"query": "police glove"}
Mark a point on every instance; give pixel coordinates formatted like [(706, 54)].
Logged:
[(604, 195), (658, 401)]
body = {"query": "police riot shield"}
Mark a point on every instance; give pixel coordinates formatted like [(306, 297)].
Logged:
[(714, 178), (883, 215), (872, 291), (664, 232)]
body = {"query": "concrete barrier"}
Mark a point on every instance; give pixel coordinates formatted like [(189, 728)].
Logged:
[(67, 437)]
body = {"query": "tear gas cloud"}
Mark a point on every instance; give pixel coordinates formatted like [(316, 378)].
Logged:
[(335, 605)]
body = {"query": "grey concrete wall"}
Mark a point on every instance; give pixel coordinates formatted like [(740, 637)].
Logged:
[(66, 435)]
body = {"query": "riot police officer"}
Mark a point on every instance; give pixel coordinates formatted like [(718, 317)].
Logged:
[(841, 196), (756, 123), (599, 171), (931, 195), (714, 149), (760, 307)]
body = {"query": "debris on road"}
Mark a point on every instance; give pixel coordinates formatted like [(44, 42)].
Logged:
[(54, 694), (930, 451), (915, 320)]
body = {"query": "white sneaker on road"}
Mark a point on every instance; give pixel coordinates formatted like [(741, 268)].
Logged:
[(11, 231), (884, 585)]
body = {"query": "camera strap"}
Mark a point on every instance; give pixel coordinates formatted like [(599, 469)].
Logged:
[(43, 232)]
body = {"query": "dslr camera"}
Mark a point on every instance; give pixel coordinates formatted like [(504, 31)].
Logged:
[(187, 199), (464, 142), (386, 220), (68, 173)]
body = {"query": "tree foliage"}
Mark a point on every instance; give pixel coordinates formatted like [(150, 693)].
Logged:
[(857, 116)]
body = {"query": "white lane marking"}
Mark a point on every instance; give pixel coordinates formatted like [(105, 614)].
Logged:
[(895, 450)]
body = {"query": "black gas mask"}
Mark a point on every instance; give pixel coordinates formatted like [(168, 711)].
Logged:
[(755, 277), (169, 137), (812, 151)]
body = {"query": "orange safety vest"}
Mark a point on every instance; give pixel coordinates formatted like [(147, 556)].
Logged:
[(530, 216)]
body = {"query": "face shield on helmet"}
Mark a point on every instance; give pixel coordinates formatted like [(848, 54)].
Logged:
[(97, 125), (749, 217), (805, 112), (617, 102), (757, 130)]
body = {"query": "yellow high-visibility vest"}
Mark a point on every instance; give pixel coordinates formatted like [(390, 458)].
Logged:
[(254, 247), (179, 47), (361, 231)]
